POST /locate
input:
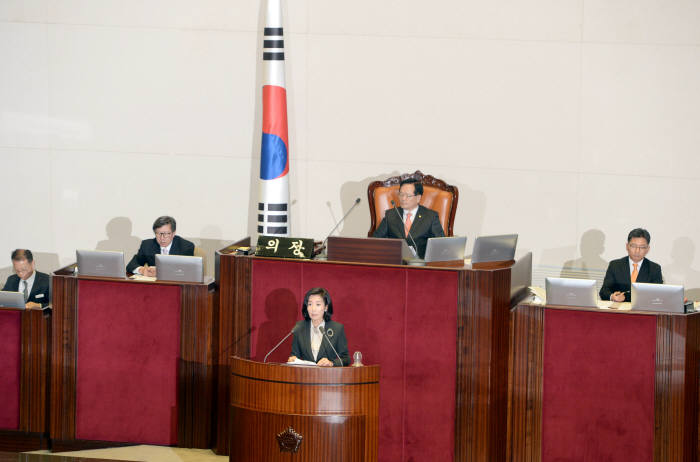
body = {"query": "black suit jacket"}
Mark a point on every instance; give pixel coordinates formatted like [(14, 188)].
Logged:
[(617, 278), (150, 247), (301, 345), (425, 225), (41, 290)]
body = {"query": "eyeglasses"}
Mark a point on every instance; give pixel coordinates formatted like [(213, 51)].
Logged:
[(638, 247), (164, 234), (406, 195)]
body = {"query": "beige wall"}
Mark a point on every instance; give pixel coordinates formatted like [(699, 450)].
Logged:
[(569, 122)]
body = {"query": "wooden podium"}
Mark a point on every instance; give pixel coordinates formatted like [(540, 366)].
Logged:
[(307, 413), (132, 362), (25, 346)]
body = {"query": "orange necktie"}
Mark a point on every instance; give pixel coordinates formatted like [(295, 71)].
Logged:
[(635, 273), (407, 225)]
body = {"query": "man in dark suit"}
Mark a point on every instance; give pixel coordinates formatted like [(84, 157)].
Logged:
[(35, 286), (421, 223), (632, 268), (165, 242)]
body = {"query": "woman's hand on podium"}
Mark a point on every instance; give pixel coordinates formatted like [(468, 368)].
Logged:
[(325, 362), (292, 359)]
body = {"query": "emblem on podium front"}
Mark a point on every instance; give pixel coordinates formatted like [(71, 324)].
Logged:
[(289, 440)]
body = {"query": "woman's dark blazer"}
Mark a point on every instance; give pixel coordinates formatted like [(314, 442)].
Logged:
[(301, 345)]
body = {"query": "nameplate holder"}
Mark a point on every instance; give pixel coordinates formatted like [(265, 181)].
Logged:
[(284, 247)]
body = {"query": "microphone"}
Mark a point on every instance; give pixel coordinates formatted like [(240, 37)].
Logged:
[(357, 201), (281, 342), (408, 233), (323, 332)]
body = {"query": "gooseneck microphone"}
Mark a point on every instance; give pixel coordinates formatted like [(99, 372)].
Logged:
[(281, 342), (357, 201), (408, 233), (323, 332)]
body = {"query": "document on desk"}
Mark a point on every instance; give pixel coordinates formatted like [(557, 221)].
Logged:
[(140, 277), (301, 362)]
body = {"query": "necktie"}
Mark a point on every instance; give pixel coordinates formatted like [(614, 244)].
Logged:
[(164, 250), (26, 294), (635, 273), (407, 225)]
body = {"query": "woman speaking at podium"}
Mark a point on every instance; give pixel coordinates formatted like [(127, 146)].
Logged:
[(317, 338)]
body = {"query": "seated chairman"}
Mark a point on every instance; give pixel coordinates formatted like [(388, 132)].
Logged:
[(632, 268), (421, 222), (165, 243), (33, 284)]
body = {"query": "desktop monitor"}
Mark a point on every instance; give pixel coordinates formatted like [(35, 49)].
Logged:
[(494, 248), (11, 299), (657, 297), (445, 248), (103, 263), (181, 268), (571, 292)]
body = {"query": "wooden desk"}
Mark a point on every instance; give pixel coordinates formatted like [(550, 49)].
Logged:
[(602, 384), (133, 362), (335, 411), (25, 346), (440, 335)]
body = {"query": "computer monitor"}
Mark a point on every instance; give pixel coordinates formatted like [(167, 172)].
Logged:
[(181, 268), (494, 248), (103, 263), (571, 292), (657, 297), (445, 248), (11, 299)]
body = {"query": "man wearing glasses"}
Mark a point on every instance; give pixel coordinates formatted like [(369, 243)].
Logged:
[(165, 242), (35, 285), (632, 268), (420, 222)]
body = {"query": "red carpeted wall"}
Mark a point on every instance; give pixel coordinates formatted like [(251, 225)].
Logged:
[(128, 351), (598, 387), (400, 318), (11, 354)]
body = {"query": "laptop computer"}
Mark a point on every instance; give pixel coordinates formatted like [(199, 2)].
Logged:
[(571, 292), (103, 263), (657, 297), (494, 248), (182, 268), (11, 299), (445, 248)]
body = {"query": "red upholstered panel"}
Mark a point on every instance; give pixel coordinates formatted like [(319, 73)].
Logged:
[(598, 387), (10, 357), (128, 351), (431, 356), (403, 319)]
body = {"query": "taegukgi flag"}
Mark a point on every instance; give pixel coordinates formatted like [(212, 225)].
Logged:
[(273, 205)]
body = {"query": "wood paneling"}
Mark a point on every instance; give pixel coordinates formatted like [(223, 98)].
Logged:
[(336, 410), (482, 365), (676, 388), (524, 431), (234, 338), (34, 381)]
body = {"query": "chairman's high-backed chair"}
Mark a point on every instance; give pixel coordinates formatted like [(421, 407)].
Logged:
[(437, 195)]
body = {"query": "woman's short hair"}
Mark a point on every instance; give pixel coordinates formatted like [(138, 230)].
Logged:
[(326, 299)]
